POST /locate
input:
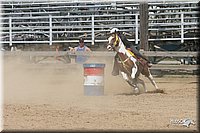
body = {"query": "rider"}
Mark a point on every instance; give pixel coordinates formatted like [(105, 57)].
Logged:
[(128, 45)]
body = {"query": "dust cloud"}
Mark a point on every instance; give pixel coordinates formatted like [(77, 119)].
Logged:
[(49, 95), (52, 80)]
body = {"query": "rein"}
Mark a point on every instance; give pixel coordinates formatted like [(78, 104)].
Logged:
[(123, 62)]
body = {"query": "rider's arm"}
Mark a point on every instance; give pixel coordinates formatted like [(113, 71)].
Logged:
[(125, 41)]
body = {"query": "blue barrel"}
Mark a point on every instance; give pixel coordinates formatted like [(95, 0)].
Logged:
[(93, 79)]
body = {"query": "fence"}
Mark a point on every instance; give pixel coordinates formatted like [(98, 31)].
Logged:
[(64, 22), (158, 69)]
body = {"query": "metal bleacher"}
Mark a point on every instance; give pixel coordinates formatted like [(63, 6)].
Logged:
[(53, 22), (173, 23)]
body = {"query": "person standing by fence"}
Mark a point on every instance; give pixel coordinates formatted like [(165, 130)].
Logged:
[(81, 48)]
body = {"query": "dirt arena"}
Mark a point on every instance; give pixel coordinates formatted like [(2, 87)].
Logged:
[(49, 96)]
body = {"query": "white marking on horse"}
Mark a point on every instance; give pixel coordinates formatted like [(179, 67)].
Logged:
[(134, 69), (124, 75), (152, 81), (122, 48)]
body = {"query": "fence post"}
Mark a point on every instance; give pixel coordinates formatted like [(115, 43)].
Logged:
[(136, 29), (50, 30), (92, 29), (144, 25), (182, 28), (10, 30)]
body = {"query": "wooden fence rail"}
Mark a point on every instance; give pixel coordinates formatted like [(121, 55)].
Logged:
[(156, 69), (99, 53)]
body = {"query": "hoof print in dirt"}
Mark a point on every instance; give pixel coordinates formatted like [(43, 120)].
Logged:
[(159, 91), (156, 91)]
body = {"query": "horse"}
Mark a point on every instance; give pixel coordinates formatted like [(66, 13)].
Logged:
[(129, 66)]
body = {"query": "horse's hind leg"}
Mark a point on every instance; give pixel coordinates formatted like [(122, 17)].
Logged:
[(150, 77), (142, 82)]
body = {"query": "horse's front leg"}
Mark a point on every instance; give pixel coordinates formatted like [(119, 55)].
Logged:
[(134, 69), (125, 76), (128, 79)]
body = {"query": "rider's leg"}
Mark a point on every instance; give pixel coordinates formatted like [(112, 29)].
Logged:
[(115, 70), (137, 53)]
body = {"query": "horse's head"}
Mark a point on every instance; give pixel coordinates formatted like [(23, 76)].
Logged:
[(113, 42)]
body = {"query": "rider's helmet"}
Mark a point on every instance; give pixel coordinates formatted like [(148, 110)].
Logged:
[(114, 30)]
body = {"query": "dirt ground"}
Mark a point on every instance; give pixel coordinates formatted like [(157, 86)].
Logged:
[(49, 96)]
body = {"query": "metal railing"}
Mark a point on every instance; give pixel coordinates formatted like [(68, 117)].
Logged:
[(64, 22)]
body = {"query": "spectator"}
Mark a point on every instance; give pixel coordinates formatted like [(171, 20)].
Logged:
[(82, 48)]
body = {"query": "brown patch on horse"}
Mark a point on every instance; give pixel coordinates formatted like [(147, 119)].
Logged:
[(125, 66), (144, 67)]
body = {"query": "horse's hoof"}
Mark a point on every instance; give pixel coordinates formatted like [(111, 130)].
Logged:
[(136, 91)]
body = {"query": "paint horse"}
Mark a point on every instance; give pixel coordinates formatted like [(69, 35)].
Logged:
[(129, 66)]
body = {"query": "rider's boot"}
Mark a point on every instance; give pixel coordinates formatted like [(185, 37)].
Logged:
[(149, 64), (115, 70), (138, 55)]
